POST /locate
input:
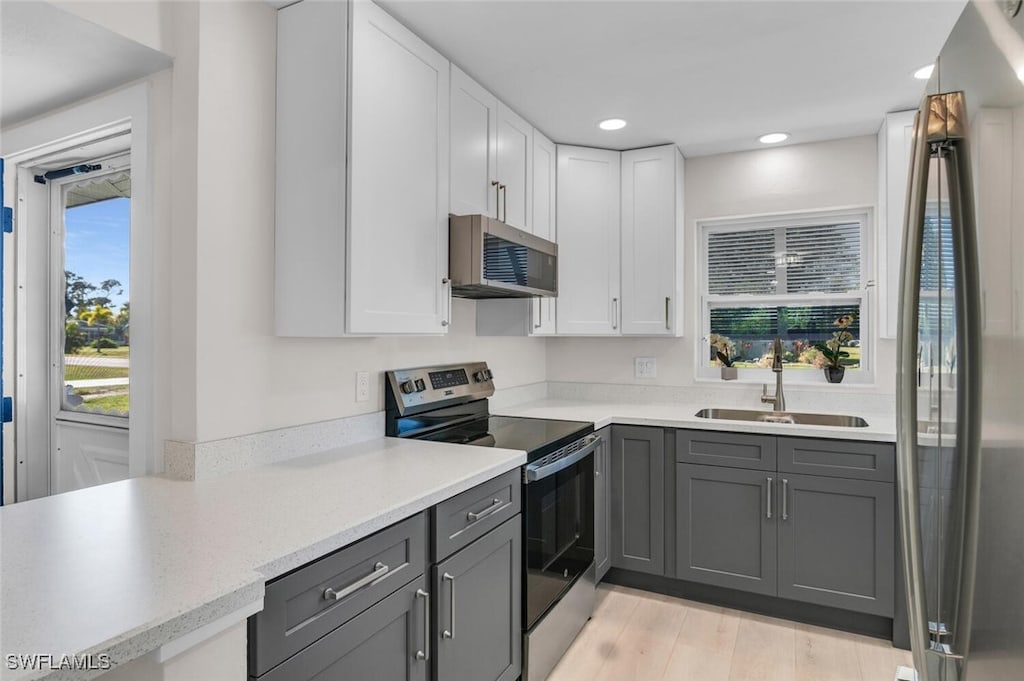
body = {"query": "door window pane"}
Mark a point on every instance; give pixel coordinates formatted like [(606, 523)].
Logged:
[(97, 329)]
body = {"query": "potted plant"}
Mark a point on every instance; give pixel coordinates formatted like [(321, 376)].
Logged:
[(724, 351), (832, 350)]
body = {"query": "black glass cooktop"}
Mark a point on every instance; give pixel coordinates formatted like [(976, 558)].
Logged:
[(538, 437)]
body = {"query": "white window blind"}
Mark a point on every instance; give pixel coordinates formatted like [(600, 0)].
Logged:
[(785, 260), (741, 262)]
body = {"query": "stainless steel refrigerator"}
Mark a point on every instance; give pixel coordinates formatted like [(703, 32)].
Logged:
[(960, 377)]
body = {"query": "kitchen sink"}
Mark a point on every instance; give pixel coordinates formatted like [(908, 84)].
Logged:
[(840, 420)]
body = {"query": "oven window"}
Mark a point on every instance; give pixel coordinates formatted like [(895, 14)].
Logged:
[(559, 535), (515, 264)]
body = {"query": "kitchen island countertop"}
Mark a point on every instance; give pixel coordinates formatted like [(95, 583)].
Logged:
[(125, 568)]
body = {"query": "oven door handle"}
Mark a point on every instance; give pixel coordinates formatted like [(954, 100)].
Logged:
[(534, 472)]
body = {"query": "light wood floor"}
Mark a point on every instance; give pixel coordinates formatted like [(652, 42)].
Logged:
[(640, 636)]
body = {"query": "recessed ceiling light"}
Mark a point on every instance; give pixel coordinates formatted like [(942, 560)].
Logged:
[(925, 72), (773, 138), (612, 124)]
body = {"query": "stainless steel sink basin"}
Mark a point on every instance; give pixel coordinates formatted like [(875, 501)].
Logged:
[(840, 420)]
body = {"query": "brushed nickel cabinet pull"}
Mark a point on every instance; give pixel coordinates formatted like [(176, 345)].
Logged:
[(450, 631), (768, 505), (379, 570), (495, 505), (425, 653)]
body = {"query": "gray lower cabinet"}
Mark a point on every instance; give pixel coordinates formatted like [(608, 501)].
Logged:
[(725, 527), (638, 499), (387, 642), (478, 605), (602, 504), (836, 542), (826, 538)]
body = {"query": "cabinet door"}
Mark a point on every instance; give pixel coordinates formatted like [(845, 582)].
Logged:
[(543, 222), (387, 642), (515, 167), (602, 504), (474, 147), (589, 302), (310, 221), (398, 175), (479, 609), (652, 229), (836, 543), (638, 499), (894, 140), (725, 527)]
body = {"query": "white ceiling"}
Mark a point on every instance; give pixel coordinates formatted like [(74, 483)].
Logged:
[(711, 76), (50, 58)]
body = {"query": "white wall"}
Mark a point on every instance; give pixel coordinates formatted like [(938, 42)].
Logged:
[(836, 173), (222, 371)]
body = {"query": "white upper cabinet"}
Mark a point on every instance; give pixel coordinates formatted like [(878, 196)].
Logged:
[(894, 140), (362, 247), (312, 110), (474, 147), (589, 301), (515, 168), (528, 316), (398, 180), (652, 241), (491, 155), (543, 215)]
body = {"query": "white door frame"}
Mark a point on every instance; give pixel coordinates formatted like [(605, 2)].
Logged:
[(22, 146)]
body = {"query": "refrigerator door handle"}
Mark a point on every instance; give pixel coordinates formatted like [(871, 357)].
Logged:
[(906, 395), (968, 369), (942, 126)]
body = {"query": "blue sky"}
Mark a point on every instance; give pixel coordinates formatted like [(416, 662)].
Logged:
[(96, 243)]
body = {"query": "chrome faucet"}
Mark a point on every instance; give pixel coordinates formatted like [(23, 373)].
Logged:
[(778, 400)]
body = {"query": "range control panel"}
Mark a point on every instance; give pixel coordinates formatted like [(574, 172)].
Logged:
[(422, 387)]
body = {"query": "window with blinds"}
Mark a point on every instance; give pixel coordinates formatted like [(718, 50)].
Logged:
[(788, 278)]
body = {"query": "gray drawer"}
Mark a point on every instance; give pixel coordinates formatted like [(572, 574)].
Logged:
[(838, 458), (472, 514), (296, 610), (388, 642), (734, 450)]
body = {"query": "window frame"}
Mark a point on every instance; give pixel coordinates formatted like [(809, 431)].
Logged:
[(862, 296)]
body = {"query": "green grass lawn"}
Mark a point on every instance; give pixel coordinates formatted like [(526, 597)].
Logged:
[(75, 372), (108, 352), (113, 402)]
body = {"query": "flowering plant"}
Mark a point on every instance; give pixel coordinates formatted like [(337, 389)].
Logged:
[(724, 348), (830, 349)]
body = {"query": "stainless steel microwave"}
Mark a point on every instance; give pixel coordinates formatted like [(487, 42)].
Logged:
[(489, 259)]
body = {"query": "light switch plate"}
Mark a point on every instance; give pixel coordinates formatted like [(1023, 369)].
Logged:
[(646, 367), (362, 386)]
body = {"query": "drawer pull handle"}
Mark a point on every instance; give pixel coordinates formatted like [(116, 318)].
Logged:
[(495, 505), (379, 570), (450, 632), (768, 506), (425, 653)]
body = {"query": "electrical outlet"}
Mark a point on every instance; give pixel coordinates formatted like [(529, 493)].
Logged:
[(362, 386), (646, 367)]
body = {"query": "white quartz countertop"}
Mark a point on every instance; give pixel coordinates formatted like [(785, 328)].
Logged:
[(127, 567), (880, 428)]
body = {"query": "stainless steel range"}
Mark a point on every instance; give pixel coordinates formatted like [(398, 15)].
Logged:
[(449, 404)]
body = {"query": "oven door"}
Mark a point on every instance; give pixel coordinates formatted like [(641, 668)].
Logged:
[(558, 515)]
